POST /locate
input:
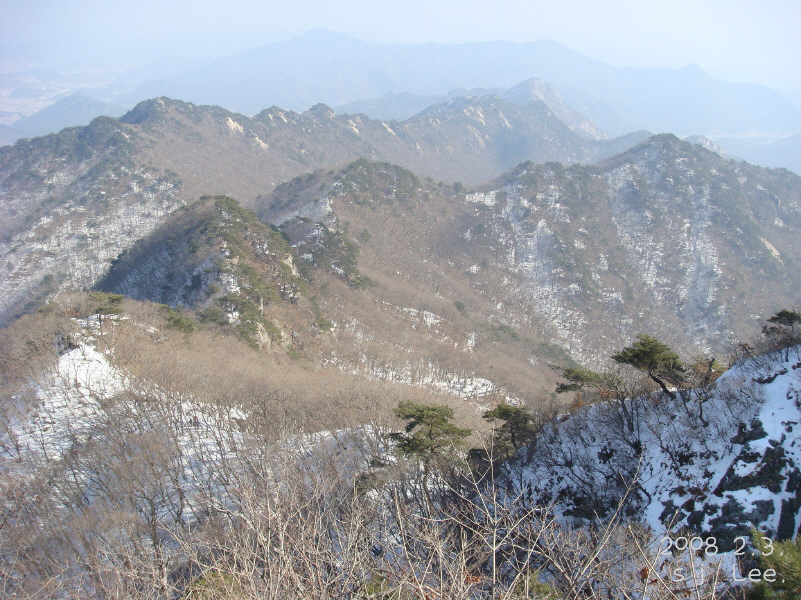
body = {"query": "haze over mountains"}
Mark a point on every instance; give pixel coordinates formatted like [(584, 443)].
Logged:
[(399, 81), (229, 299), (684, 101), (76, 109)]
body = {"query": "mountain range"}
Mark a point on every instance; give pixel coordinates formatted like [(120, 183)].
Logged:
[(583, 256), (548, 261), (208, 316), (336, 69), (166, 153), (397, 82)]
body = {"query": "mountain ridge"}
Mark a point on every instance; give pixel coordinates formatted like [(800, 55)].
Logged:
[(524, 227), (618, 100), (562, 253)]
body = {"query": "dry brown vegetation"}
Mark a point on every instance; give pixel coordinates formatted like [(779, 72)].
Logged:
[(408, 235), (222, 472)]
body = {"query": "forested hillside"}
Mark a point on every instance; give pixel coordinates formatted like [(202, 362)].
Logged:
[(71, 201), (583, 257), (142, 458), (278, 357)]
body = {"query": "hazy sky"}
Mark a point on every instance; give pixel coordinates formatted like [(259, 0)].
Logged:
[(735, 40)]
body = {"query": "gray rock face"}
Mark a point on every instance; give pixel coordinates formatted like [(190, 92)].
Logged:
[(71, 203), (719, 475), (657, 239)]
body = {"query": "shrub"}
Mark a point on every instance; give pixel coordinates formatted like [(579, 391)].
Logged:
[(785, 559)]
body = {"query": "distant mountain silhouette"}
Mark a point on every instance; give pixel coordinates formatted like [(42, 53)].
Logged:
[(336, 69), (74, 110), (784, 152)]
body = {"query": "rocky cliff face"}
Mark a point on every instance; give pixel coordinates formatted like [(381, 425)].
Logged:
[(715, 460), (584, 257), (71, 203)]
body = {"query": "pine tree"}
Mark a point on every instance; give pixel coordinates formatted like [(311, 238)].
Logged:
[(429, 434), (784, 558), (429, 430), (655, 359), (784, 330), (516, 430)]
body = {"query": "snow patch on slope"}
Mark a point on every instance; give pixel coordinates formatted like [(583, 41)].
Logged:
[(714, 461)]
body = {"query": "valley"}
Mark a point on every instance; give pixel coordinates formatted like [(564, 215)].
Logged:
[(302, 354)]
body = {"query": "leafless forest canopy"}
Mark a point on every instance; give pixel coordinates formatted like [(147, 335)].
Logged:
[(216, 471)]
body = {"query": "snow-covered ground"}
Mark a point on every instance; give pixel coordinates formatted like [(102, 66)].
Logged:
[(87, 422), (66, 407), (715, 461), (86, 418)]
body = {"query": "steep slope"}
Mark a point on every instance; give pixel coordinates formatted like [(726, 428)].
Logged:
[(72, 201), (218, 258), (585, 257), (393, 285), (537, 89), (643, 242), (716, 460)]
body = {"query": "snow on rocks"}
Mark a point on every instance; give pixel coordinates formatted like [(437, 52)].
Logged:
[(715, 461), (488, 198)]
